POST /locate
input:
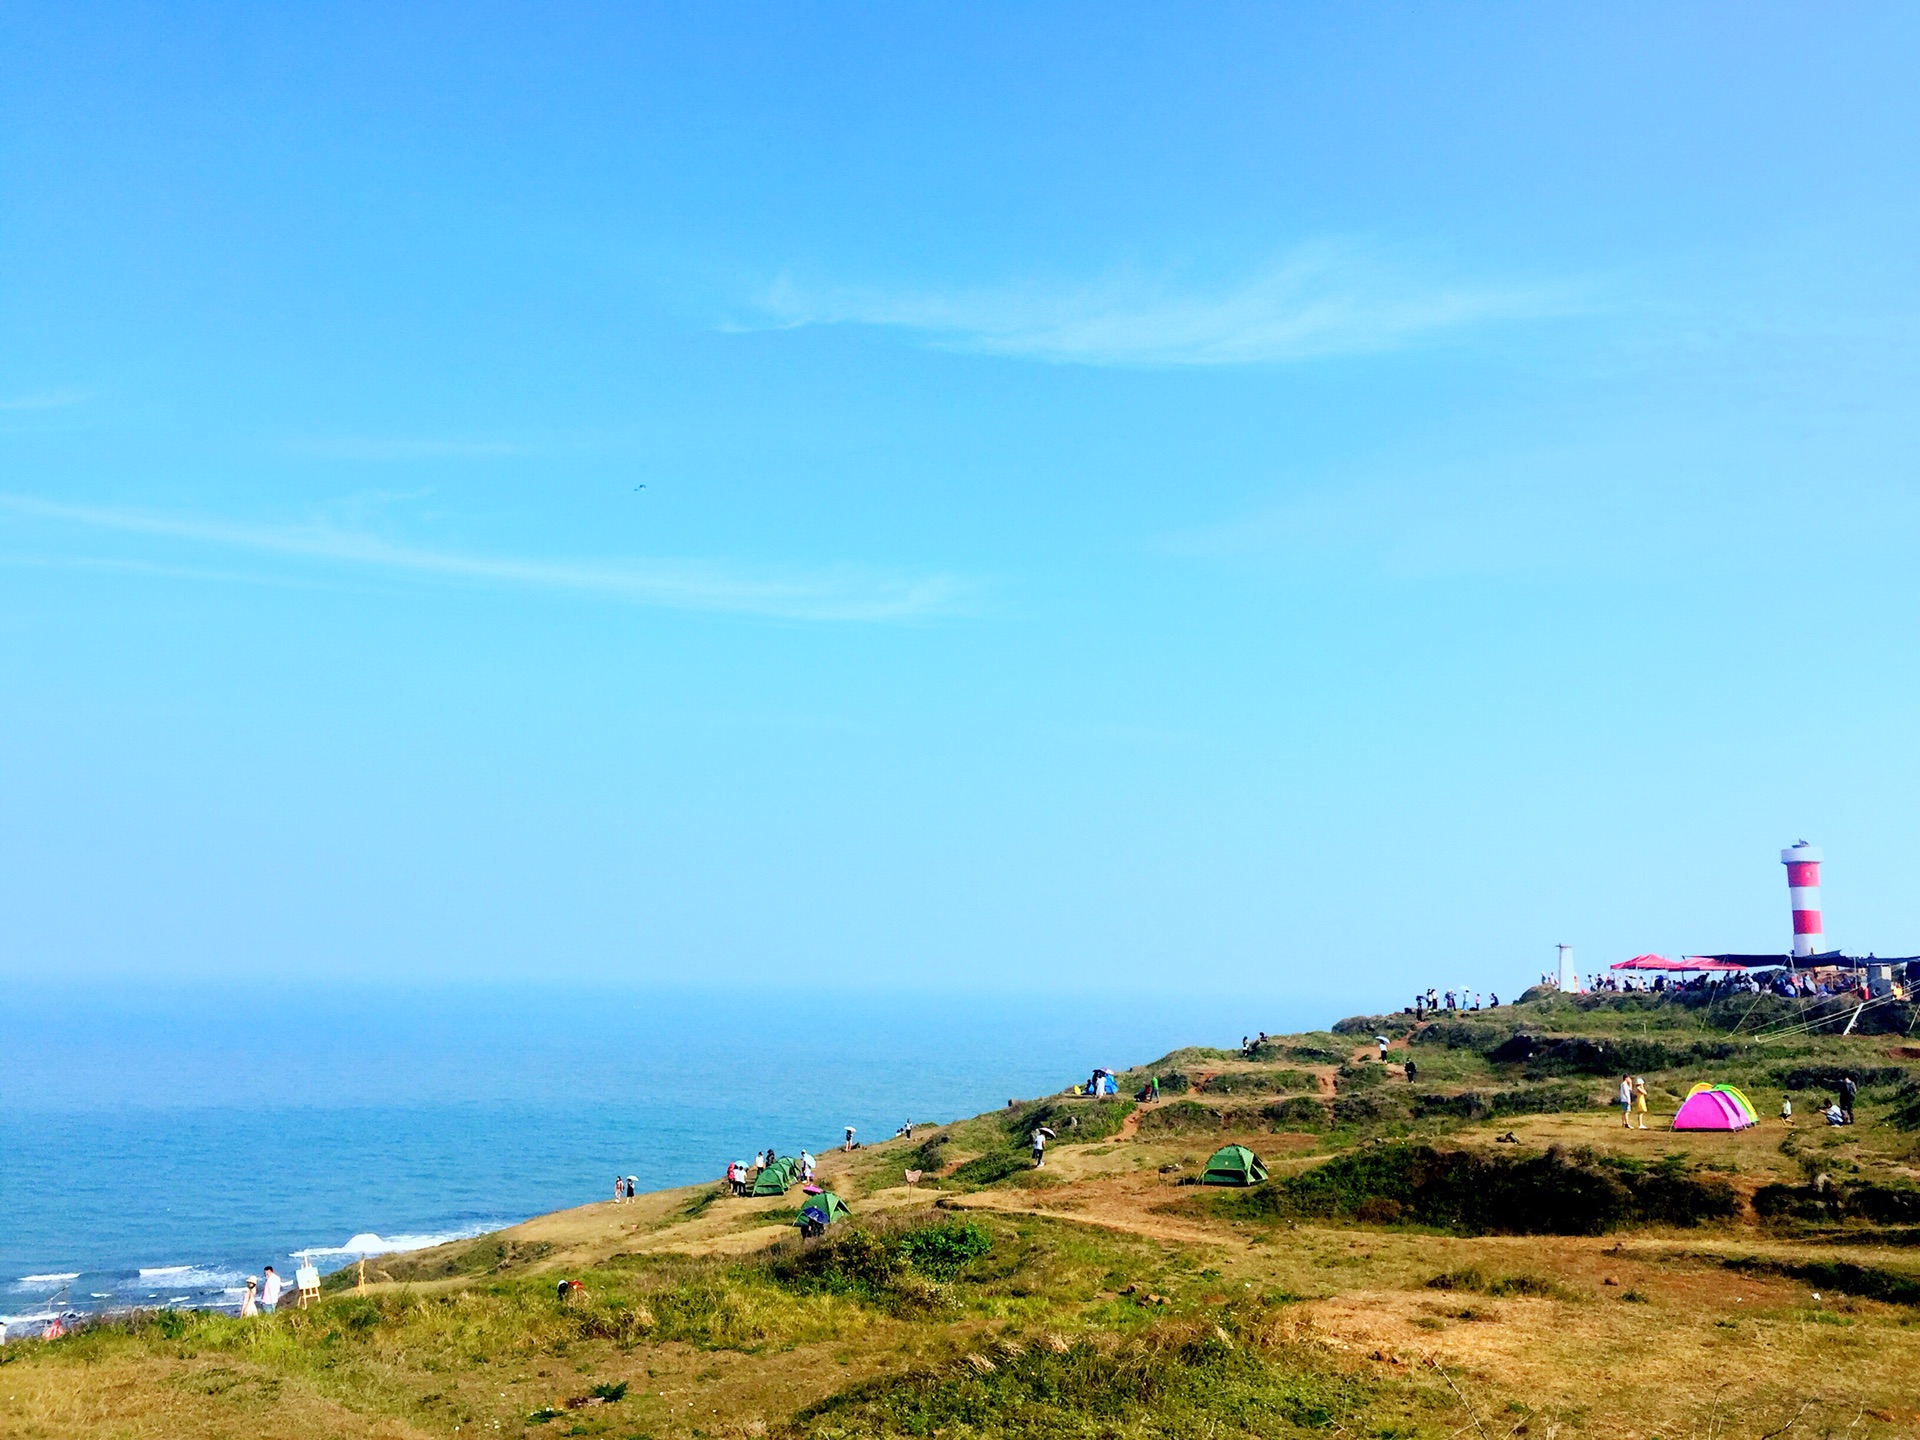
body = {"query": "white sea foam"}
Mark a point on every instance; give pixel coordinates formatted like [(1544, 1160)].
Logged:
[(193, 1277), (31, 1282), (368, 1243)]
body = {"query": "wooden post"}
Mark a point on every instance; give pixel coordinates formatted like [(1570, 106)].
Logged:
[(361, 1287)]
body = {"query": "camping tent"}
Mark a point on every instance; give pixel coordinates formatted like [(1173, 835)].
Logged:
[(1685, 965), (1715, 1107), (1233, 1165), (777, 1177), (821, 1211)]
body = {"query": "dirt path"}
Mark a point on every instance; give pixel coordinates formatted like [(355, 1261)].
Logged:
[(1126, 1206)]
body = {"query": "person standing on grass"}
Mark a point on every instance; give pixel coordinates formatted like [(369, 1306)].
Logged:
[(1626, 1102), (1848, 1089), (1640, 1099), (248, 1307), (1038, 1142), (847, 1144), (269, 1290)]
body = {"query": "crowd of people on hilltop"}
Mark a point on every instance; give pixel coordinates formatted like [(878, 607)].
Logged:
[(1431, 1002), (1787, 984)]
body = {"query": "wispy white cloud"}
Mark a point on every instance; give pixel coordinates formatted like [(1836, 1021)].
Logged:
[(43, 400), (1320, 300), (829, 593)]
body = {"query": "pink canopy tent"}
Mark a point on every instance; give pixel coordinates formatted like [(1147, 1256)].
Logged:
[(1643, 962), (1685, 964)]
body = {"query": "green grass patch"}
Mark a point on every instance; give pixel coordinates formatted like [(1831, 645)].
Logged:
[(1224, 1376)]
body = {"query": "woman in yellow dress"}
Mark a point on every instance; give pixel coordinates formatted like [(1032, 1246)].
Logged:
[(1640, 1099)]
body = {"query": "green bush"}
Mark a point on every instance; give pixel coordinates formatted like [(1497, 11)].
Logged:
[(1302, 1112), (1359, 1076), (1870, 1282), (1371, 1109), (942, 1250), (1073, 1120), (1392, 1026), (1827, 1078), (1475, 1105), (1214, 1376), (1551, 1194), (1498, 1286), (1257, 1082), (991, 1168), (1180, 1117), (1897, 1204)]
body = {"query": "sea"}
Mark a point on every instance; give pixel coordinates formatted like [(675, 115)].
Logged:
[(158, 1146)]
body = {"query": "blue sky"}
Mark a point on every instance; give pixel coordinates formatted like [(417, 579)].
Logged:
[(1279, 500)]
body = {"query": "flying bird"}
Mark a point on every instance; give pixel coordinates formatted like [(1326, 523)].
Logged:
[(640, 487)]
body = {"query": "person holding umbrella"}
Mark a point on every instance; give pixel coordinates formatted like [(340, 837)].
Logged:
[(1038, 1141)]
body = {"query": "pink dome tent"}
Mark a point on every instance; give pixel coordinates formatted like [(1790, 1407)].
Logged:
[(1715, 1107)]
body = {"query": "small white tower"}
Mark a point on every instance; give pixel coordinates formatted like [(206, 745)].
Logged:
[(1569, 982)]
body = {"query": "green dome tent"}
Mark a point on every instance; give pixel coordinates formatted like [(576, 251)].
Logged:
[(819, 1212), (777, 1177), (1233, 1165)]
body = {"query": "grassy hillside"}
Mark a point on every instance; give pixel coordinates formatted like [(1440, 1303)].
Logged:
[(1479, 1251)]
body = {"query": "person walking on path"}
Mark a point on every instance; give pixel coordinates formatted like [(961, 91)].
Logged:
[(1038, 1142), (1382, 1042), (806, 1166), (269, 1290), (1626, 1102), (248, 1308), (619, 1188), (1640, 1099), (1848, 1089)]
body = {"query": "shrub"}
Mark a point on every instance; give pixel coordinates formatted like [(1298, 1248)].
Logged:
[(1498, 1286), (1827, 1078), (1073, 1120), (1474, 1105), (874, 1262), (1905, 1114), (1553, 1193), (1181, 1117), (1256, 1082), (1392, 1026), (990, 1168), (1302, 1112), (1882, 1204), (1369, 1109), (942, 1250), (1870, 1282), (1214, 1376), (1360, 1076)]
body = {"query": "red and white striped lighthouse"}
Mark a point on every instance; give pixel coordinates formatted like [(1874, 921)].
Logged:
[(1803, 889)]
